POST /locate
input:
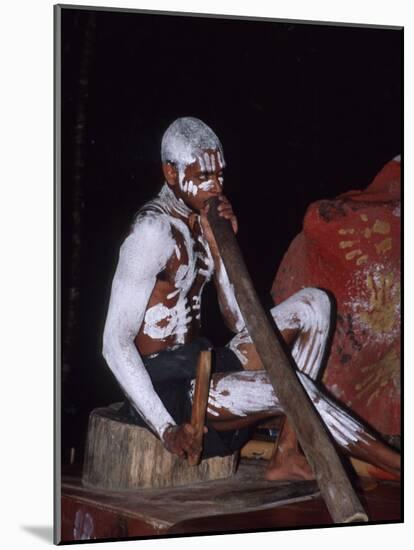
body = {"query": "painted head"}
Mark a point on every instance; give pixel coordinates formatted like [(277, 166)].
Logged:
[(193, 161)]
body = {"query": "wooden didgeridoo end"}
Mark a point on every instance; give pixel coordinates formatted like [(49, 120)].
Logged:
[(200, 399)]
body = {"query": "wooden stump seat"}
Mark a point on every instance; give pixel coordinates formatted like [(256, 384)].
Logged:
[(120, 456)]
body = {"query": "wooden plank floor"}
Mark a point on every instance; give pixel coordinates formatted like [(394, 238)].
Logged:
[(244, 502), (381, 500)]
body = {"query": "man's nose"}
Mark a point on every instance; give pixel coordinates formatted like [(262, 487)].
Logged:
[(218, 187)]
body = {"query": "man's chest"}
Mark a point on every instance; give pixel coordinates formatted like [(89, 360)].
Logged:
[(190, 265)]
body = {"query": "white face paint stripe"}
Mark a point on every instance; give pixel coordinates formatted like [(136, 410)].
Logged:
[(201, 163), (213, 162), (206, 185), (207, 162)]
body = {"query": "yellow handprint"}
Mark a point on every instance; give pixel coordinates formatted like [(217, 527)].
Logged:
[(384, 298)]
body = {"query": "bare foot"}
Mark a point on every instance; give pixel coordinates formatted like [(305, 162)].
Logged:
[(289, 465)]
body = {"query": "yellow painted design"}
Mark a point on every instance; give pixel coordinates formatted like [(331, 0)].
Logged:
[(376, 376), (347, 244), (351, 255), (381, 227), (384, 245), (384, 298), (362, 259)]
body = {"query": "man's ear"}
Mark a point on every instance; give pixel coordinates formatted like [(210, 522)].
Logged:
[(170, 173)]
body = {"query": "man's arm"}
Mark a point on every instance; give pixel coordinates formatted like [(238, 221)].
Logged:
[(225, 292), (143, 254)]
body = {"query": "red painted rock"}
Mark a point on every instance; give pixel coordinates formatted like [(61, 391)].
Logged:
[(350, 246)]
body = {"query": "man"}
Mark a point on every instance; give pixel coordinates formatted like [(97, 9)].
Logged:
[(151, 336)]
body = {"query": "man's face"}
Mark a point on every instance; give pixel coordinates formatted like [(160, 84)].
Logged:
[(202, 179)]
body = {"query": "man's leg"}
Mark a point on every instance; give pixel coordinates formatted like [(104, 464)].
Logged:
[(245, 397), (307, 316), (240, 399), (304, 322)]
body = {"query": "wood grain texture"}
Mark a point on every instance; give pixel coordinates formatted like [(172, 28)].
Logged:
[(122, 456), (159, 509), (200, 400)]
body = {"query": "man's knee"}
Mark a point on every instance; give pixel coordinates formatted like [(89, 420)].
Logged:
[(317, 300), (309, 307)]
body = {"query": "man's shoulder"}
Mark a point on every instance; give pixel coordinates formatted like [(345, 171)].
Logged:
[(150, 242), (151, 222)]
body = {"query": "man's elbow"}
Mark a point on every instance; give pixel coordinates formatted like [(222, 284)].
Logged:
[(106, 350), (109, 347), (115, 348)]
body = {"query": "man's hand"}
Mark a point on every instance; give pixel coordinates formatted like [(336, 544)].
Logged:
[(181, 440), (225, 210)]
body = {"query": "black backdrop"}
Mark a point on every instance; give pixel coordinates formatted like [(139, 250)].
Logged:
[(304, 112)]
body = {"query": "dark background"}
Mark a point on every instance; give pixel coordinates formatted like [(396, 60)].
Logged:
[(304, 112)]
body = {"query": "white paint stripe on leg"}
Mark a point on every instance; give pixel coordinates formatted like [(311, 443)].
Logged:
[(345, 429), (309, 312), (242, 337), (242, 393)]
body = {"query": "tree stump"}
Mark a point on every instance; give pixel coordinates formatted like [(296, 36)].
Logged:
[(122, 456)]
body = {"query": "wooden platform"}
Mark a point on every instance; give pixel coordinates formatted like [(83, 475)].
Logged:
[(246, 502)]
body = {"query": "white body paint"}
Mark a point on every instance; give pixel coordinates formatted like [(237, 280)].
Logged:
[(240, 338), (185, 142), (228, 290), (146, 252), (175, 320), (206, 185), (143, 255), (243, 393), (343, 427), (250, 392), (309, 312), (207, 161), (167, 202)]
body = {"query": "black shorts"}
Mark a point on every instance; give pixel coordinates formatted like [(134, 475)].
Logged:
[(171, 373)]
